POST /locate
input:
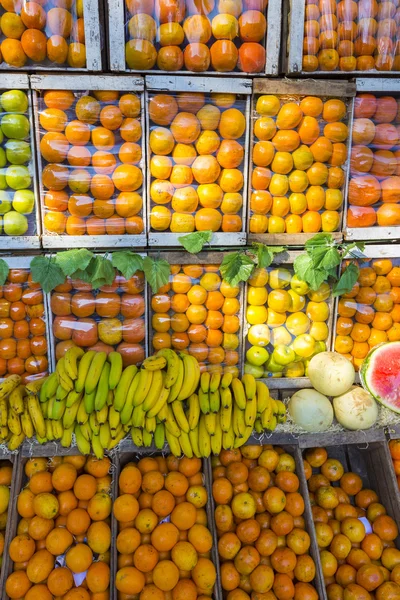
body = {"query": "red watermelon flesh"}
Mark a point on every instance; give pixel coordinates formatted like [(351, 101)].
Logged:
[(380, 374)]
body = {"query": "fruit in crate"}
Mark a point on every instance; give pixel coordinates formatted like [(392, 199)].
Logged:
[(6, 471), (63, 509), (394, 449), (379, 373)]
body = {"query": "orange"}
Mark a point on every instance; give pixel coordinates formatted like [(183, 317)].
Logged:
[(57, 49)]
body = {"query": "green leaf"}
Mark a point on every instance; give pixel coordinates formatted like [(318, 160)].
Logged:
[(265, 254), (236, 267), (103, 272), (331, 259), (306, 271), (157, 272), (45, 271), (72, 260), (347, 248), (347, 280), (320, 239), (194, 242), (4, 268), (127, 262)]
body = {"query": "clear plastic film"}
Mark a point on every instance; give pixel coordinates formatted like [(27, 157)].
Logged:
[(92, 160), (17, 197), (286, 323), (23, 342), (196, 35), (374, 187), (299, 155), (199, 313), (197, 161), (369, 314), (107, 319), (351, 36), (47, 34)]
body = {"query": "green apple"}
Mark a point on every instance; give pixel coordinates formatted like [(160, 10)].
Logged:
[(280, 335), (18, 152), (273, 366), (295, 369), (279, 278), (3, 182), (259, 335), (15, 126), (14, 101), (24, 201), (15, 223), (319, 347), (3, 158), (5, 202), (304, 345), (300, 287), (257, 372), (18, 177), (283, 355), (1, 136), (257, 356)]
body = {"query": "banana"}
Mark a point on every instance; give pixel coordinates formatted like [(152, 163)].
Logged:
[(16, 399), (204, 438), (110, 398), (127, 411), (180, 416), (161, 402), (4, 433), (102, 387), (41, 440), (249, 383), (128, 407), (197, 373), (97, 447), (238, 393), (86, 431), (190, 376), (94, 424), (114, 418), (205, 378), (102, 415), (194, 441), (194, 411), (58, 429), (15, 441), (71, 361), (26, 424), (204, 402), (274, 406), (269, 423), (126, 428), (94, 373), (105, 435), (171, 424), (159, 436), (138, 416), (154, 392), (8, 385), (258, 426), (114, 442), (3, 412), (147, 438), (58, 409), (173, 443), (36, 415), (82, 443), (88, 401), (262, 396), (61, 392), (163, 413), (82, 416), (33, 387), (211, 423), (228, 438), (215, 382), (281, 416), (175, 388), (115, 360), (49, 388), (239, 425), (226, 380), (83, 369), (226, 397), (145, 381), (63, 378), (216, 440), (215, 400), (66, 440), (73, 397), (250, 412), (14, 422), (240, 441), (49, 430), (225, 417), (69, 415), (184, 442), (154, 363), (137, 437), (172, 366), (150, 424), (45, 408)]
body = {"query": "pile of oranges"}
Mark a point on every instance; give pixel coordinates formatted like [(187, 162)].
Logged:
[(110, 318), (374, 186), (263, 545), (91, 148), (61, 547), (198, 312), (355, 536), (369, 314), (42, 33), (350, 36), (197, 162), (164, 545), (6, 471), (298, 155), (196, 35), (23, 344)]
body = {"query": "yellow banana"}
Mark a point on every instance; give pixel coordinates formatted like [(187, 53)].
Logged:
[(86, 431), (69, 415), (73, 397), (105, 435), (58, 409), (114, 418), (15, 441), (138, 416), (102, 387), (266, 415), (171, 424), (216, 440), (250, 412), (215, 381), (161, 402), (26, 424), (82, 443), (58, 429), (197, 375), (114, 442), (172, 366), (8, 385), (137, 437), (63, 378), (238, 393), (226, 380), (225, 417), (150, 424), (110, 398), (163, 413), (127, 408), (204, 402), (258, 426), (263, 399), (211, 423), (228, 438), (3, 412), (194, 411), (147, 438), (82, 416), (186, 446), (240, 441), (194, 441), (33, 387), (44, 407), (239, 425), (83, 369), (115, 360), (177, 385), (48, 388), (180, 416), (226, 397), (16, 399), (145, 381), (66, 440), (249, 383), (189, 376), (71, 361), (154, 392), (205, 378), (49, 430), (102, 415), (204, 438), (97, 447), (159, 436), (94, 424), (14, 422), (95, 370), (271, 423), (215, 400), (281, 417), (36, 415), (154, 363), (173, 443)]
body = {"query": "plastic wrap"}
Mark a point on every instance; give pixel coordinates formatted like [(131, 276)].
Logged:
[(17, 196), (299, 156), (92, 161), (286, 322), (196, 35), (198, 312), (374, 188), (197, 161), (351, 36), (49, 34), (110, 318), (369, 314)]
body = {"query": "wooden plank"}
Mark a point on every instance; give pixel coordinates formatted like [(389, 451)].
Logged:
[(302, 87), (188, 83), (11, 515), (340, 438), (119, 83)]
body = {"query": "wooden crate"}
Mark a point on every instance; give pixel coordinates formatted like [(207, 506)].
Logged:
[(13, 460)]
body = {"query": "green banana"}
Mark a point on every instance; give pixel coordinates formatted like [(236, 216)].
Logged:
[(211, 423), (161, 402), (48, 411), (97, 447), (225, 417), (83, 370), (137, 437), (61, 392), (45, 409), (115, 360), (194, 411), (173, 443), (249, 383), (110, 398), (145, 381), (238, 393), (175, 389), (88, 401), (69, 415), (58, 409), (155, 390), (159, 436), (186, 446), (94, 373), (180, 416), (102, 415), (215, 401), (104, 435), (82, 443), (127, 408), (205, 381), (194, 441), (102, 387), (82, 416), (172, 366), (49, 388), (86, 431), (204, 402), (73, 397), (215, 382), (71, 361), (66, 440), (204, 438)]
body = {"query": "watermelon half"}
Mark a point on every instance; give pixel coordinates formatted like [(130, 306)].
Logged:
[(380, 374)]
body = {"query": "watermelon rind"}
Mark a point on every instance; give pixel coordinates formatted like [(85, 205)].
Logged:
[(367, 372)]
